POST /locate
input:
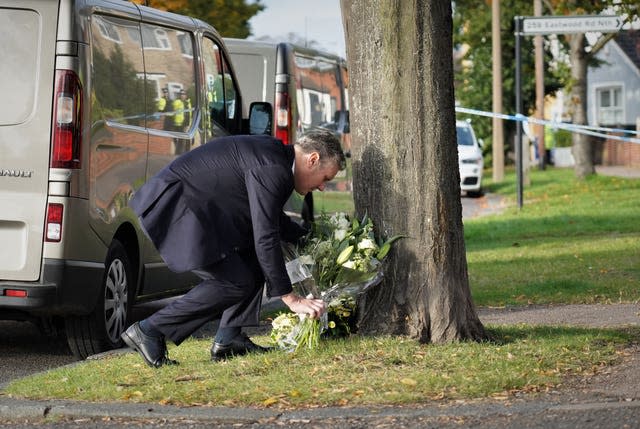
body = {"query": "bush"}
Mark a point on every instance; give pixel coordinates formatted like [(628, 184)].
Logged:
[(563, 138)]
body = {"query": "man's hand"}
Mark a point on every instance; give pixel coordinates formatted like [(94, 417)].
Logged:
[(313, 307)]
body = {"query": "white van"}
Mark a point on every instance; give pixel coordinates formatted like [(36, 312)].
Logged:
[(307, 87), (98, 95)]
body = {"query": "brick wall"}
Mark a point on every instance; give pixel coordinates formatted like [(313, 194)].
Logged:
[(616, 152)]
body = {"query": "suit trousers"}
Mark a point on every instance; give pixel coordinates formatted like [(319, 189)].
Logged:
[(231, 290)]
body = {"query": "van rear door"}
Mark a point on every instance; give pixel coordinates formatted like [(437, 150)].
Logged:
[(28, 35)]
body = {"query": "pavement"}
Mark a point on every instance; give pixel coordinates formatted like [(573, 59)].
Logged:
[(619, 171), (608, 399)]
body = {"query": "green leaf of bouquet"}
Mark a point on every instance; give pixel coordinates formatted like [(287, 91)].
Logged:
[(365, 219), (343, 244), (344, 255), (395, 237), (384, 249)]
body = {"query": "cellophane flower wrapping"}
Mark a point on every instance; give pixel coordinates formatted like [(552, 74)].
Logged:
[(291, 331), (341, 260)]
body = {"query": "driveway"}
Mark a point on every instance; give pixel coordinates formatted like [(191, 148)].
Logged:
[(485, 205)]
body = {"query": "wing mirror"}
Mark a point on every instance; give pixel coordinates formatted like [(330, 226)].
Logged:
[(260, 118)]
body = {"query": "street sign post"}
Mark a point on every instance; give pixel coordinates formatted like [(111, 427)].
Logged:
[(571, 24)]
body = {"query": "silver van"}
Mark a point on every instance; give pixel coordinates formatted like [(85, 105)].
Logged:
[(98, 95), (308, 89)]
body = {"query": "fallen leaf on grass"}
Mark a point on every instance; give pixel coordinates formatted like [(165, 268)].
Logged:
[(408, 381), (188, 377), (270, 401)]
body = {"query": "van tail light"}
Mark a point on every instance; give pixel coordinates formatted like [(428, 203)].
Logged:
[(54, 223), (15, 293), (67, 120), (283, 117)]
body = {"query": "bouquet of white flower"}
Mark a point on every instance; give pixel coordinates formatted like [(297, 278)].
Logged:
[(341, 260), (343, 251), (291, 332)]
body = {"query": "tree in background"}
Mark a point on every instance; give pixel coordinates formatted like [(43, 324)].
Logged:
[(580, 56), (473, 77), (405, 166), (472, 19), (229, 17)]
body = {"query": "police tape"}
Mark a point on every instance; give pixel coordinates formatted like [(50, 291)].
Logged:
[(581, 129)]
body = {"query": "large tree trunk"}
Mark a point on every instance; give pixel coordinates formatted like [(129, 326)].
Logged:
[(405, 166), (582, 145)]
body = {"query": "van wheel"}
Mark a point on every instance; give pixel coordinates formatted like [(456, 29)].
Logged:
[(100, 330)]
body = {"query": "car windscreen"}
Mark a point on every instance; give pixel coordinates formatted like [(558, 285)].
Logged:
[(465, 138)]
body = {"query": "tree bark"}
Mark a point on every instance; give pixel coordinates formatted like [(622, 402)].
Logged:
[(582, 145), (405, 166)]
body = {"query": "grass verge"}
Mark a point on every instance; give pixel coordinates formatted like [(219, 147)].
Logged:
[(572, 242), (356, 371)]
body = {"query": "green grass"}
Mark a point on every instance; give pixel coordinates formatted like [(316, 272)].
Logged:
[(333, 202), (572, 242), (356, 371)]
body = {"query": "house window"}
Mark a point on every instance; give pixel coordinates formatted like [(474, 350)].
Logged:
[(610, 107), (107, 30), (186, 45), (155, 38)]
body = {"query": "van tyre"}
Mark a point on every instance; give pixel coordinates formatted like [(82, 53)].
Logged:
[(100, 330)]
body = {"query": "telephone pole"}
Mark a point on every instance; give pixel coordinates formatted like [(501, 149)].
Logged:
[(498, 130), (539, 73)]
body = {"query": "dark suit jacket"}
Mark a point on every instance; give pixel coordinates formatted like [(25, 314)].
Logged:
[(225, 196)]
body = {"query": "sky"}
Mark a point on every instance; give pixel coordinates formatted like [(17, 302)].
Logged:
[(313, 20)]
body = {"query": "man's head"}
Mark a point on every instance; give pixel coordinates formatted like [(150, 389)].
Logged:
[(319, 157)]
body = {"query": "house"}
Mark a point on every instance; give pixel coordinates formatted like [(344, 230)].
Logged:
[(614, 95)]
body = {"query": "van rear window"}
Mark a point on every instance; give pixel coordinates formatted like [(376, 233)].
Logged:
[(20, 52)]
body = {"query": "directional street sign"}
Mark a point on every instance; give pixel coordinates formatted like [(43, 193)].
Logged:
[(571, 24)]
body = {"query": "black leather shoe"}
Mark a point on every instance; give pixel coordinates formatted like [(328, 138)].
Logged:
[(152, 349), (240, 345)]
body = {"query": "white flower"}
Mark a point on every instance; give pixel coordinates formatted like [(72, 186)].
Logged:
[(349, 264), (340, 221), (339, 234), (306, 260), (282, 321), (367, 243)]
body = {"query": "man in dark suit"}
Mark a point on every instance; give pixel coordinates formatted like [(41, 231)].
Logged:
[(218, 211)]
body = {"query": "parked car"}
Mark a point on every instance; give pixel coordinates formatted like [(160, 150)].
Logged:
[(100, 95), (470, 160), (307, 87)]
